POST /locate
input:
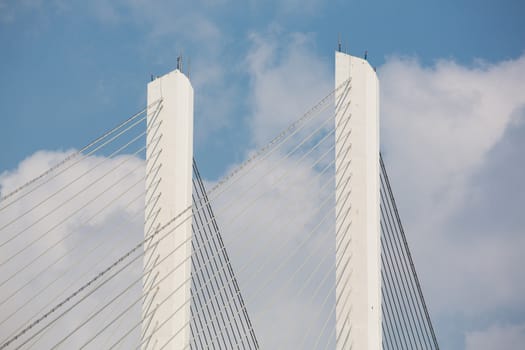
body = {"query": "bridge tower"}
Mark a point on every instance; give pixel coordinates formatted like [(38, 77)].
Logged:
[(169, 157), (358, 274)]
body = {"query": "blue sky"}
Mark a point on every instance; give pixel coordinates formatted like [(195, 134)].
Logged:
[(72, 69)]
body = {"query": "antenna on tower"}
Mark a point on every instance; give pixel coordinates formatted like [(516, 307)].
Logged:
[(339, 42), (179, 63)]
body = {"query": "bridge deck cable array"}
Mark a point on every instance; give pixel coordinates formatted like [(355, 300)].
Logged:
[(78, 272), (41, 243), (406, 320)]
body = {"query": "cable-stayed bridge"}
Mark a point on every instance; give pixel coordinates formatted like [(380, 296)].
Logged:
[(123, 245)]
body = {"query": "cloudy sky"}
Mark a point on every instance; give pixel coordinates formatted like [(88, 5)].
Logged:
[(452, 80)]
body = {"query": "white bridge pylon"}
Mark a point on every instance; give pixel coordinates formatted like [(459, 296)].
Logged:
[(358, 260), (169, 160)]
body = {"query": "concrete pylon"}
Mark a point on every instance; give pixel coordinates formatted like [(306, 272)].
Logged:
[(358, 274), (169, 157)]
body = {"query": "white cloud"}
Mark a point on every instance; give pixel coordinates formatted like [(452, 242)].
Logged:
[(503, 337), (80, 232), (439, 122), (441, 127), (286, 78), (280, 202)]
